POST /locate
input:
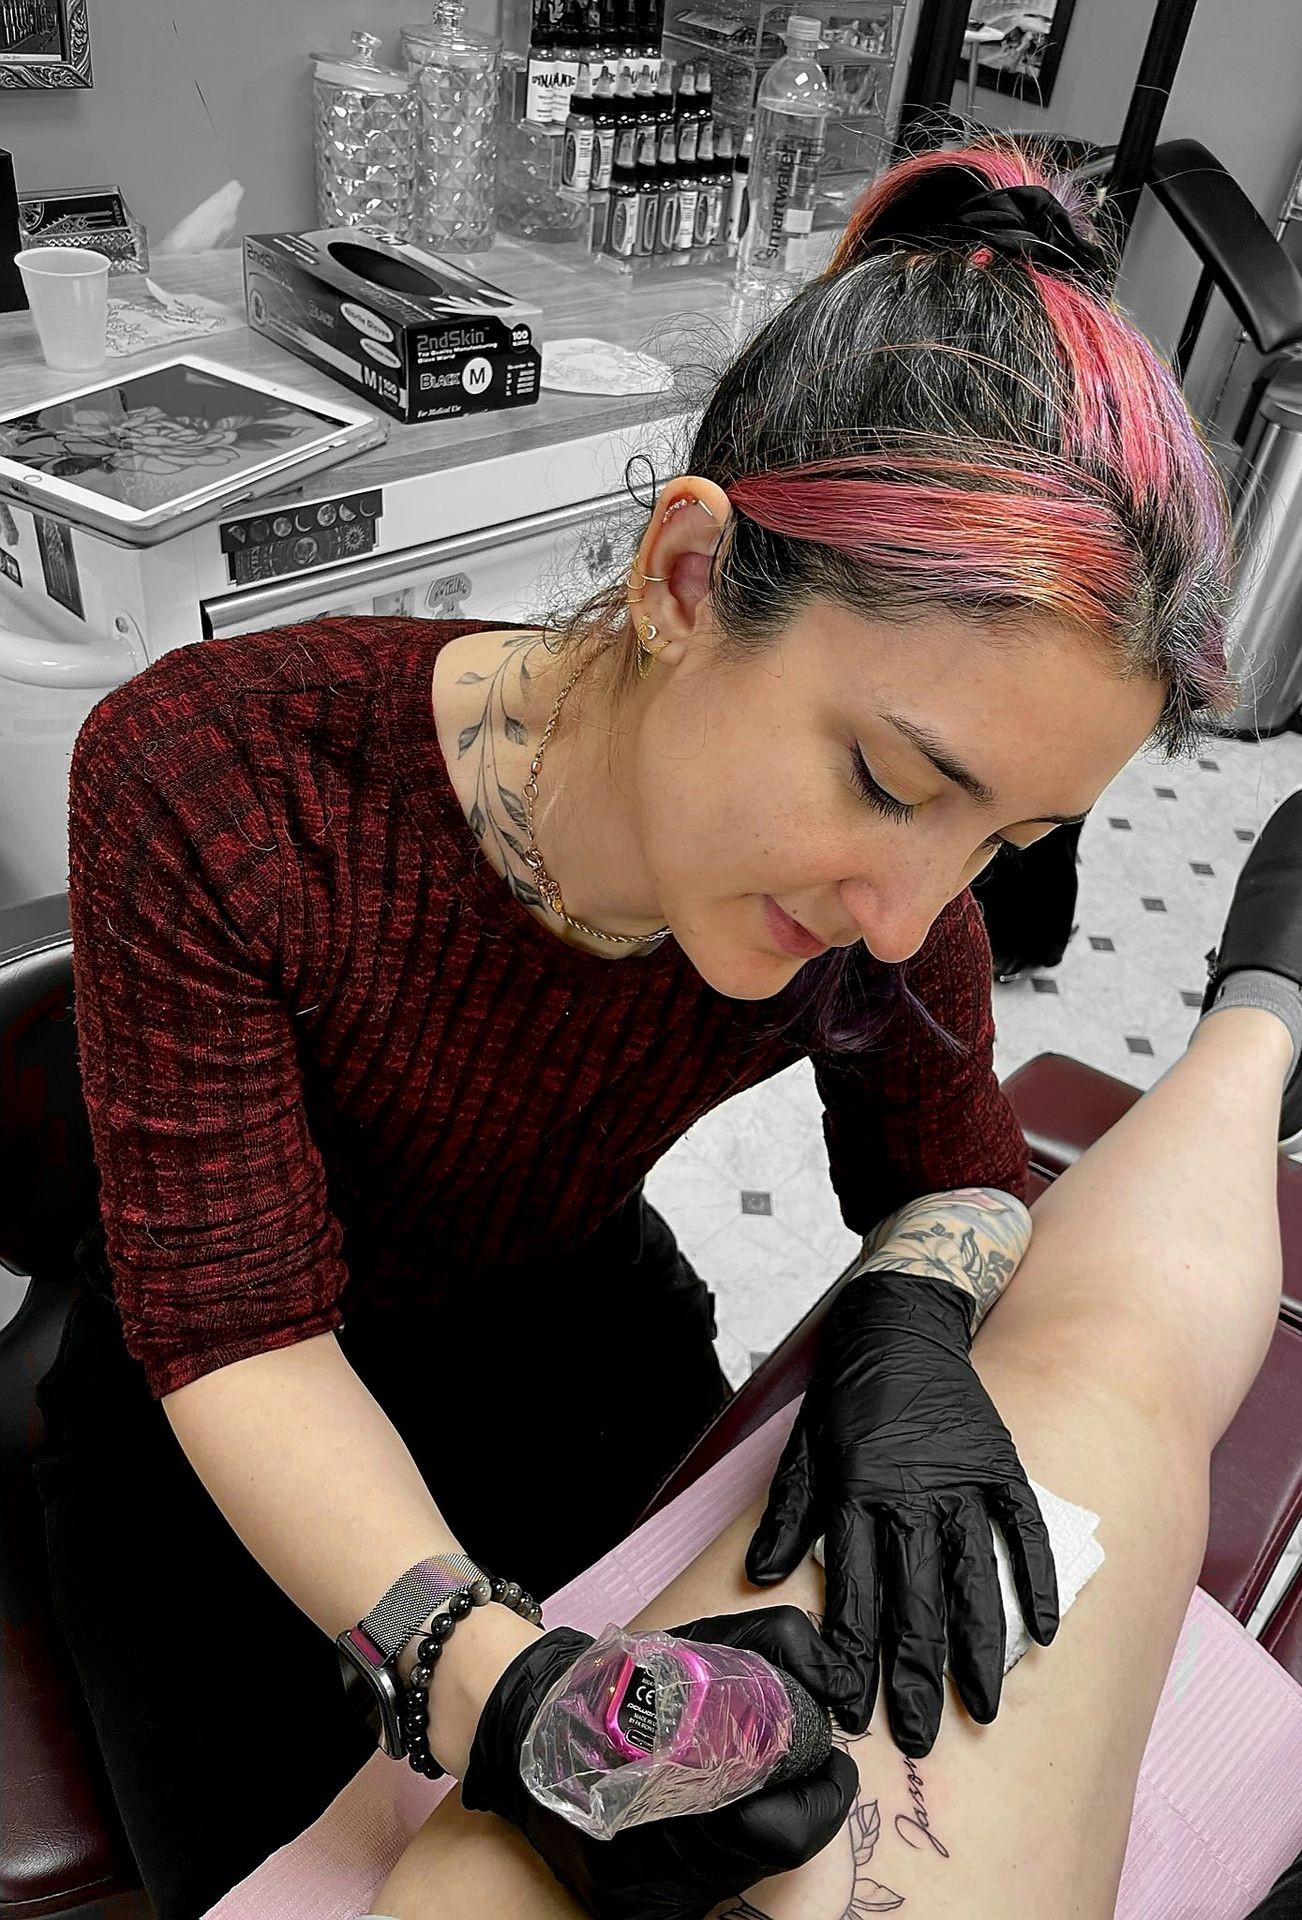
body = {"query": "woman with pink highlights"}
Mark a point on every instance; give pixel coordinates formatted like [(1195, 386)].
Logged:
[(378, 1285)]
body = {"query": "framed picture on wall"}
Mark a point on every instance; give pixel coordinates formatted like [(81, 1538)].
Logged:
[(1021, 46), (44, 43)]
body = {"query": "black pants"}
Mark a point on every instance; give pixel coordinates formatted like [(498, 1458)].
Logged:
[(543, 1408)]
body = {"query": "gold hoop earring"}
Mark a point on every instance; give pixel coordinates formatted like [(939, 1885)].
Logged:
[(646, 630), (661, 578)]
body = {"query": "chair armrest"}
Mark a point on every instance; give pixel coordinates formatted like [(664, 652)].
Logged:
[(30, 926), (1282, 1634), (1246, 261)]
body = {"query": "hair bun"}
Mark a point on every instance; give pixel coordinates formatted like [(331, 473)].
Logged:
[(953, 206)]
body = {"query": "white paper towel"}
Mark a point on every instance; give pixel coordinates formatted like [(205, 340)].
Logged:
[(1077, 1556)]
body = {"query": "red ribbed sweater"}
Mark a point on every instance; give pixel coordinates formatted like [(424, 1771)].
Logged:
[(330, 1062)]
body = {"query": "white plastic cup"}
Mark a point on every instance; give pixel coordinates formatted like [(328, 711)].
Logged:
[(67, 291)]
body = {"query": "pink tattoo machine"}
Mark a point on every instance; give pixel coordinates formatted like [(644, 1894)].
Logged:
[(645, 1726)]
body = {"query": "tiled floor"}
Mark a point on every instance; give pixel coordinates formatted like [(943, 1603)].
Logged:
[(747, 1190)]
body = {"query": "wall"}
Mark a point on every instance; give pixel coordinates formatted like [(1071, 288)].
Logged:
[(190, 95), (1236, 90), (193, 93)]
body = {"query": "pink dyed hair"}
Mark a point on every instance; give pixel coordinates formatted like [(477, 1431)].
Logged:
[(1055, 534)]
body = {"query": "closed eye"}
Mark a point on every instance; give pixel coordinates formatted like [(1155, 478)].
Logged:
[(901, 811)]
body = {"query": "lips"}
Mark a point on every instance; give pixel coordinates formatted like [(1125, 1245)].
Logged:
[(790, 935)]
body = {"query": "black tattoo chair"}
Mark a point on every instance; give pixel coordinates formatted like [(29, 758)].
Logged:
[(62, 1847)]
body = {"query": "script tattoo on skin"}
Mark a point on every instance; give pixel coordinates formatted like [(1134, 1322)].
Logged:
[(974, 1237), (504, 819), (863, 1829)]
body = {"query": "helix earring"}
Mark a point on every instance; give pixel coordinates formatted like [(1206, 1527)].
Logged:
[(646, 630), (661, 578)]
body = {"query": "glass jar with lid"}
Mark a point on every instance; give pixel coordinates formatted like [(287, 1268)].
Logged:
[(365, 133), (456, 76)]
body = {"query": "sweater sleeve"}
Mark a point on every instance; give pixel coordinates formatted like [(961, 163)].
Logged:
[(213, 1199), (911, 1116)]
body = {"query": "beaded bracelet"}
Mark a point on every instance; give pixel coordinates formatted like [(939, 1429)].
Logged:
[(414, 1716)]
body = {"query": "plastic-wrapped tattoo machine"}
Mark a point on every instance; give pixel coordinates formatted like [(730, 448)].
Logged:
[(645, 1726)]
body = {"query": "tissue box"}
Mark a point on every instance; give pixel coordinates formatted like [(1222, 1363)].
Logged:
[(419, 336)]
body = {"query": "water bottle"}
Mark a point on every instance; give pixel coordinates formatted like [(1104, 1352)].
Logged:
[(456, 77), (645, 1726), (777, 250)]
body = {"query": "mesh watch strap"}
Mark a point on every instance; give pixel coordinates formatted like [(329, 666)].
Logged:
[(413, 1597)]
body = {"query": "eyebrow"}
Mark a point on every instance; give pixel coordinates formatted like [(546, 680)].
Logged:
[(944, 762)]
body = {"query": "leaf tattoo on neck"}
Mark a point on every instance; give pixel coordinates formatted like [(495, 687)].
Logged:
[(509, 824)]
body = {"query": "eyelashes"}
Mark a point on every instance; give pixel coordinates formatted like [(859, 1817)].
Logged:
[(899, 810), (877, 796)]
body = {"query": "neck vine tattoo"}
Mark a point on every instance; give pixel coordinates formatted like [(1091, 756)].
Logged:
[(484, 821)]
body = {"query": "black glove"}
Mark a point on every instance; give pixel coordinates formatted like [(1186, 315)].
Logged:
[(674, 1869), (898, 1458)]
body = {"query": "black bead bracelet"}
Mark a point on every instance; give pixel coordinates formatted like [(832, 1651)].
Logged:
[(414, 1715)]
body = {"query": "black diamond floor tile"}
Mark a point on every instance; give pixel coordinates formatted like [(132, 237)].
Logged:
[(1101, 943), (1166, 793), (1244, 833), (756, 1202), (1040, 985), (1210, 766), (1201, 866), (1152, 904), (1137, 1043), (1190, 999), (1119, 822)]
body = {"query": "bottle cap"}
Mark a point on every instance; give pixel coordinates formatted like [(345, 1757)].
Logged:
[(801, 27)]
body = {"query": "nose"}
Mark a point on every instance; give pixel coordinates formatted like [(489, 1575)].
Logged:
[(895, 915)]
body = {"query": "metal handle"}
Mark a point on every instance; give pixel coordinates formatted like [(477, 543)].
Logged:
[(378, 569), (38, 661)]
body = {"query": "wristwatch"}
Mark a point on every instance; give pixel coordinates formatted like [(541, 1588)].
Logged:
[(368, 1653)]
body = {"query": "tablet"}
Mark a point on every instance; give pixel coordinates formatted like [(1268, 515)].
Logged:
[(145, 456)]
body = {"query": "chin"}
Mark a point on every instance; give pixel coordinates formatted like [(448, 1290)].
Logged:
[(740, 972)]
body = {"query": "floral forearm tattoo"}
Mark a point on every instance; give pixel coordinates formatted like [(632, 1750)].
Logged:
[(974, 1237)]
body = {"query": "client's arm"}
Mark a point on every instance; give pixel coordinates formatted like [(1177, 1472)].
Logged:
[(462, 1862), (973, 1237)]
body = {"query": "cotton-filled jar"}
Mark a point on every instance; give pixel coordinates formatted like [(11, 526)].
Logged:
[(365, 123), (456, 77)]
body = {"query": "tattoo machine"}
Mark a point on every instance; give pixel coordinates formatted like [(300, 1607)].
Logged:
[(645, 1726)]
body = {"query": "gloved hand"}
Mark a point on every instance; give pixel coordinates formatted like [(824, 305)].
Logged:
[(898, 1458), (674, 1869)]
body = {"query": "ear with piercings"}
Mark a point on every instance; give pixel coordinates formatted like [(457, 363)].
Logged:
[(646, 630)]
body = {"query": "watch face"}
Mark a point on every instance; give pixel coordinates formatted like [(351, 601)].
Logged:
[(372, 1695), (363, 1699)]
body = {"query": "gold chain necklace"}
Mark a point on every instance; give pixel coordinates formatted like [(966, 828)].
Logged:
[(547, 887)]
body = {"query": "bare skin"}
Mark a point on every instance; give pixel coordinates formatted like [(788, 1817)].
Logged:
[(1101, 1361)]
